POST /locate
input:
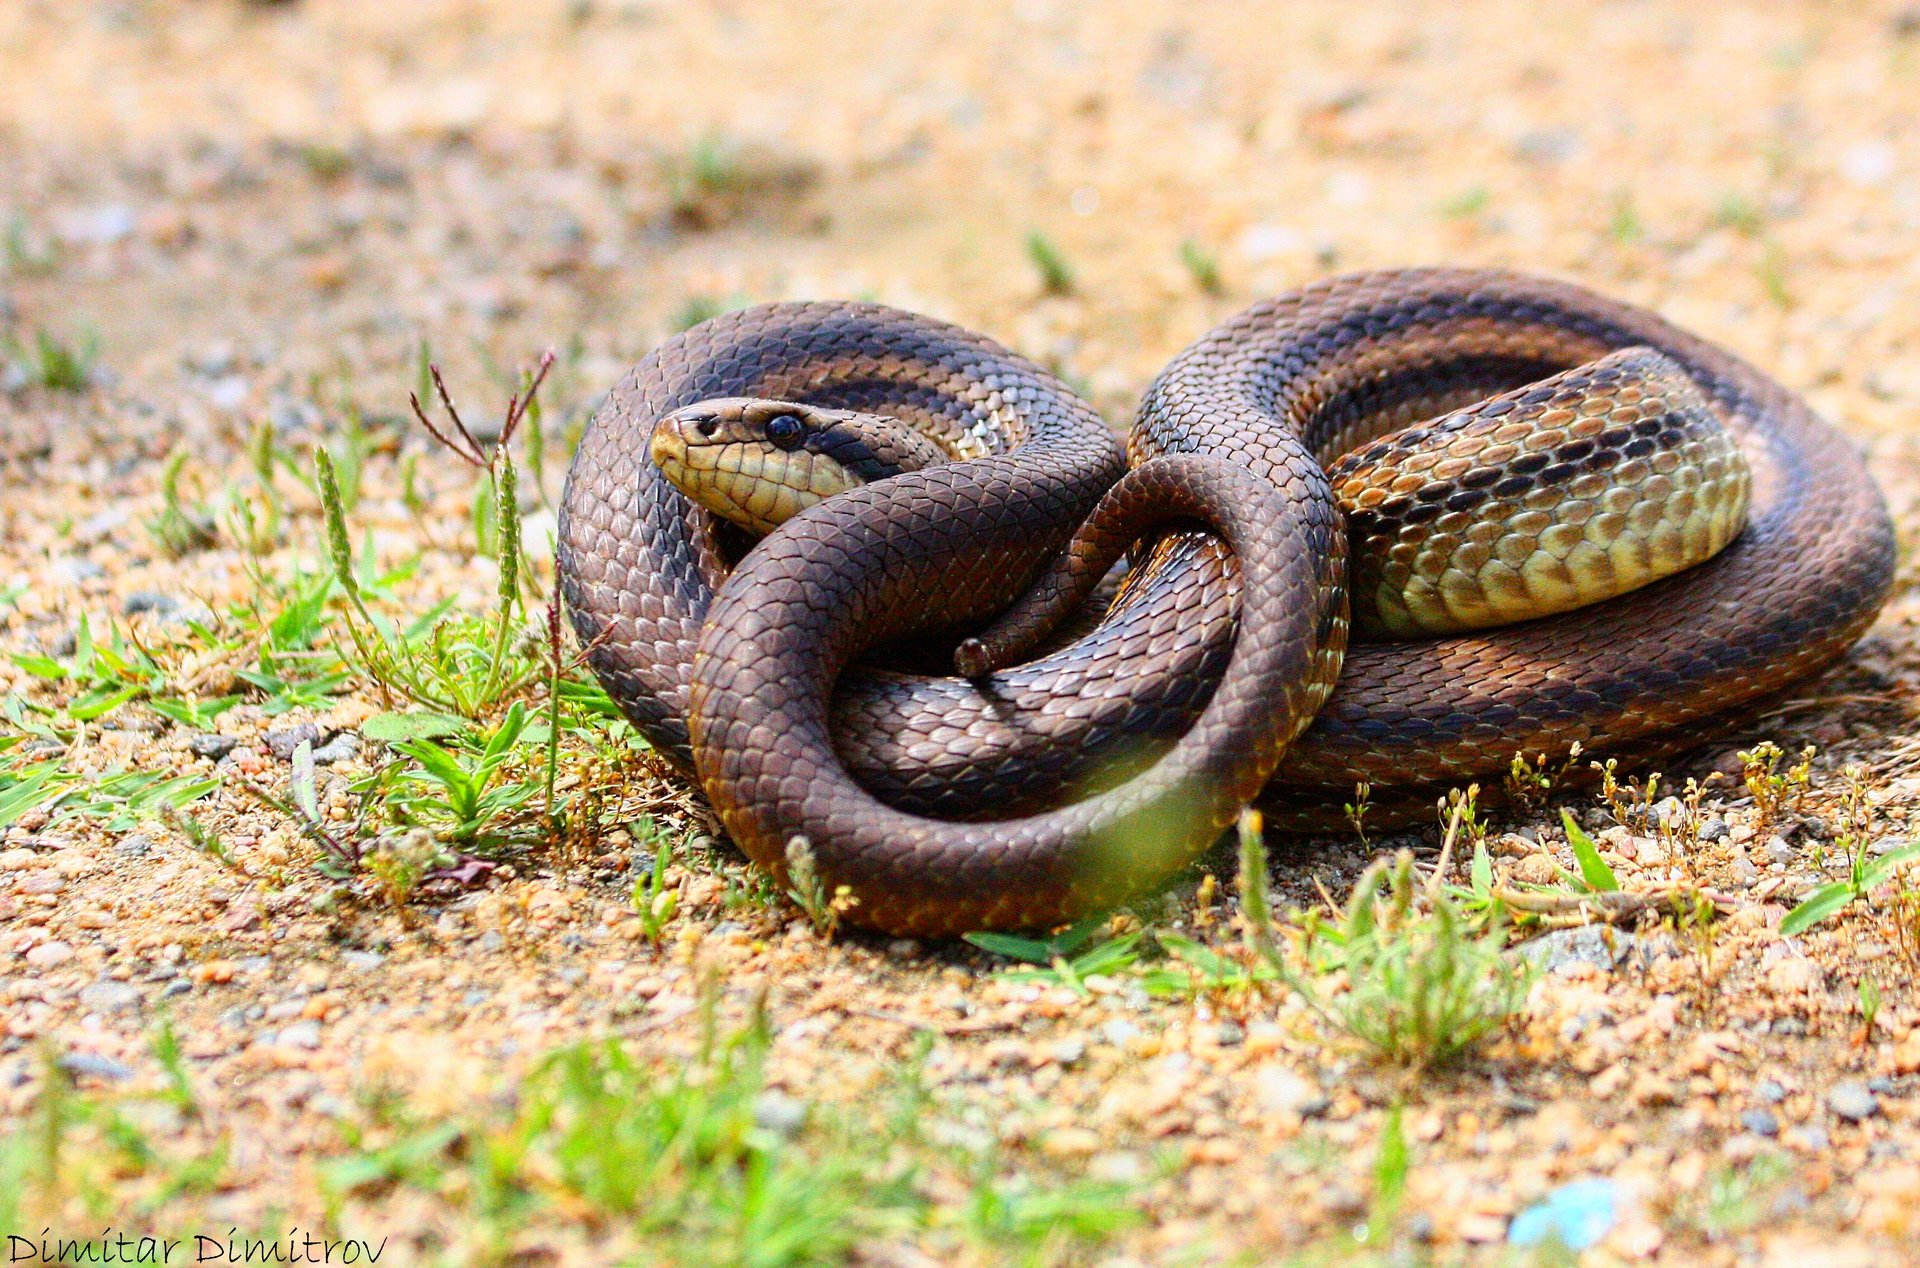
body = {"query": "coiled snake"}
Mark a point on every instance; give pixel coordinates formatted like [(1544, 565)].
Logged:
[(942, 802)]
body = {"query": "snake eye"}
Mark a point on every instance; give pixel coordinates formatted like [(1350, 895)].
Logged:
[(786, 431)]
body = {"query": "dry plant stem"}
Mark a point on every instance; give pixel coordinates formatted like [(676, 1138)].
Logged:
[(1566, 910)]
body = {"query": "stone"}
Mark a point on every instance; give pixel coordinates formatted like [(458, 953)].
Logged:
[(338, 749), (155, 602), (1793, 975), (108, 996), (1852, 1101), (212, 747), (1068, 1051), (71, 570), (304, 1035), (283, 742), (94, 1066), (1760, 1122), (49, 955), (779, 1113), (1778, 851), (1280, 1090), (1598, 945)]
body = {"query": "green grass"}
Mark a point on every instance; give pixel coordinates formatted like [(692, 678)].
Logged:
[(1467, 204), (1056, 274), (1203, 266), (685, 1159), (57, 364), (1424, 984)]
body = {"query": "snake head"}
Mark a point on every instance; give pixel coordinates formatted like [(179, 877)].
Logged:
[(758, 462)]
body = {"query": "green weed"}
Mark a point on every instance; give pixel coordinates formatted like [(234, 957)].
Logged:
[(180, 527), (1864, 874), (1203, 266), (54, 364), (1422, 988), (1056, 275)]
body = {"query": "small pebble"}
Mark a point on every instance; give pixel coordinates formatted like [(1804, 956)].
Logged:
[(1852, 1101), (283, 742), (1760, 1122), (304, 1035), (71, 570), (108, 996), (94, 1066), (1778, 851), (49, 955), (149, 601), (1067, 1051), (213, 747), (779, 1113), (338, 749), (1713, 830)]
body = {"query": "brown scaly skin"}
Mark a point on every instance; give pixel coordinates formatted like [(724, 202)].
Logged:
[(1332, 365)]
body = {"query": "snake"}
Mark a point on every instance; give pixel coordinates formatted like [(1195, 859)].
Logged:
[(877, 691)]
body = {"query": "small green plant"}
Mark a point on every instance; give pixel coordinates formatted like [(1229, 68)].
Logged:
[(1467, 204), (1732, 1202), (326, 162), (56, 365), (1356, 810), (1056, 275), (399, 861), (23, 255), (1068, 957), (695, 309), (1739, 213), (180, 527), (1595, 876), (1864, 873), (1775, 792), (106, 675), (461, 795), (1203, 266), (719, 178), (1530, 784), (1390, 1168), (454, 665), (1422, 988), (1869, 992), (653, 902), (1772, 272), (808, 890), (1624, 225)]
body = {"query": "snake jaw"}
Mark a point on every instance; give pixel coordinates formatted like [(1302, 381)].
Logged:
[(758, 462)]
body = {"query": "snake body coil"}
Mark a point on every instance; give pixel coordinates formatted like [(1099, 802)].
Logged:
[(936, 799)]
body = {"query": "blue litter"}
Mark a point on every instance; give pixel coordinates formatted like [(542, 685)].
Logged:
[(1576, 1215)]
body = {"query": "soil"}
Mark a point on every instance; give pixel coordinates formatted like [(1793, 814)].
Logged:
[(263, 212)]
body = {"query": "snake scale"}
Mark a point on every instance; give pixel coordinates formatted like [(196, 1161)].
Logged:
[(1052, 788)]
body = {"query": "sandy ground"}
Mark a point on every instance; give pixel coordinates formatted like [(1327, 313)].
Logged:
[(262, 211)]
